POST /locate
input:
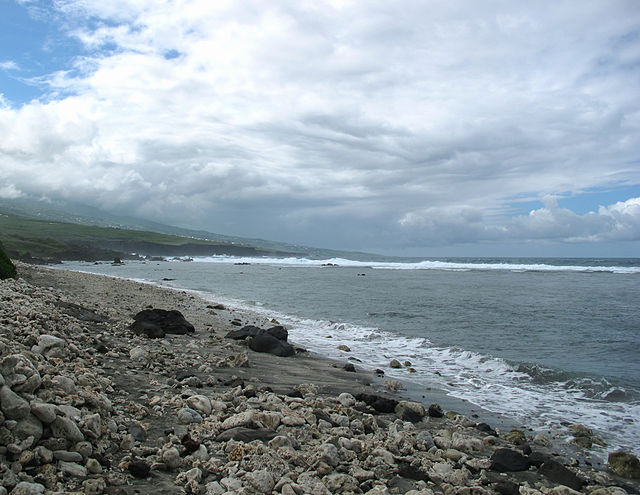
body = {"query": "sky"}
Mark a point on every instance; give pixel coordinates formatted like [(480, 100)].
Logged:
[(495, 128)]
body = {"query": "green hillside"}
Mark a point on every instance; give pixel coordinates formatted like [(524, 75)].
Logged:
[(28, 238)]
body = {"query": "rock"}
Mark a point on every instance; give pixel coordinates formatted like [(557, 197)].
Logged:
[(242, 434), (261, 481), (47, 343), (556, 472), (28, 427), (379, 403), (139, 469), (73, 469), (344, 348), (66, 428), (171, 457), (507, 460), (44, 412), (349, 367), (200, 403), (245, 332), (279, 332), (435, 411), (516, 437), (624, 464), (20, 374), (410, 411), (13, 406), (407, 470), (244, 419), (94, 486), (93, 466), (65, 455), (395, 364), (156, 323), (64, 383), (394, 385), (25, 488), (541, 439), (139, 354), (186, 416), (271, 345), (346, 399)]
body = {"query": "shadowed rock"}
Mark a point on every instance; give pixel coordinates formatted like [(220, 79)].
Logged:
[(271, 345), (506, 460), (556, 472), (156, 323)]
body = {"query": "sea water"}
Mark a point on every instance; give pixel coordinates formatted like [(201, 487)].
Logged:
[(546, 342)]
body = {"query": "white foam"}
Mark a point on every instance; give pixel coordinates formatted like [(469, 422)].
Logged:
[(421, 265)]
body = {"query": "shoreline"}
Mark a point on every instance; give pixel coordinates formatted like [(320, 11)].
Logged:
[(143, 374), (558, 433)]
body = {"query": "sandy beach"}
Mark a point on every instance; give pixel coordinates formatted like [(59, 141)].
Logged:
[(89, 406)]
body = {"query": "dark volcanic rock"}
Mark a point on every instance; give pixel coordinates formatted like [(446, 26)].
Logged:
[(406, 470), (279, 332), (435, 411), (380, 404), (271, 345), (537, 459), (245, 332), (349, 367), (505, 460), (507, 487), (156, 323), (556, 472), (139, 469)]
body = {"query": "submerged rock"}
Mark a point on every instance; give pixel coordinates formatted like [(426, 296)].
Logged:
[(624, 464)]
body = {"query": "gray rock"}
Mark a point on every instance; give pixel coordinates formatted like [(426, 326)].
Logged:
[(93, 425), (28, 427), (48, 342), (13, 406), (200, 403), (66, 428), (73, 469), (65, 455), (20, 374), (171, 457), (64, 383), (44, 412), (25, 488), (186, 416), (261, 481)]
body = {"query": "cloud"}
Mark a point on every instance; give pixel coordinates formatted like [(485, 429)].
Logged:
[(417, 122)]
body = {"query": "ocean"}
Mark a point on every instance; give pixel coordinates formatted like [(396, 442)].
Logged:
[(544, 342)]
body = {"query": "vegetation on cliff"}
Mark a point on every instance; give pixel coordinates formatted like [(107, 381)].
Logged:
[(32, 239), (7, 268)]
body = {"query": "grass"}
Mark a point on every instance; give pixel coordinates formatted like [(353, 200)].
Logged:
[(42, 238)]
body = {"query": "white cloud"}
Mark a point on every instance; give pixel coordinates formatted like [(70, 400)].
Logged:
[(416, 119)]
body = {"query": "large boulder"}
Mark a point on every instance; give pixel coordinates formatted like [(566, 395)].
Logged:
[(156, 323), (271, 345)]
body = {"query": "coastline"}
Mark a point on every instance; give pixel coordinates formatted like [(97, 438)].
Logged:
[(141, 371)]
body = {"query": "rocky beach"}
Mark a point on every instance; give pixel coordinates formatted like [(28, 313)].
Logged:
[(101, 394)]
